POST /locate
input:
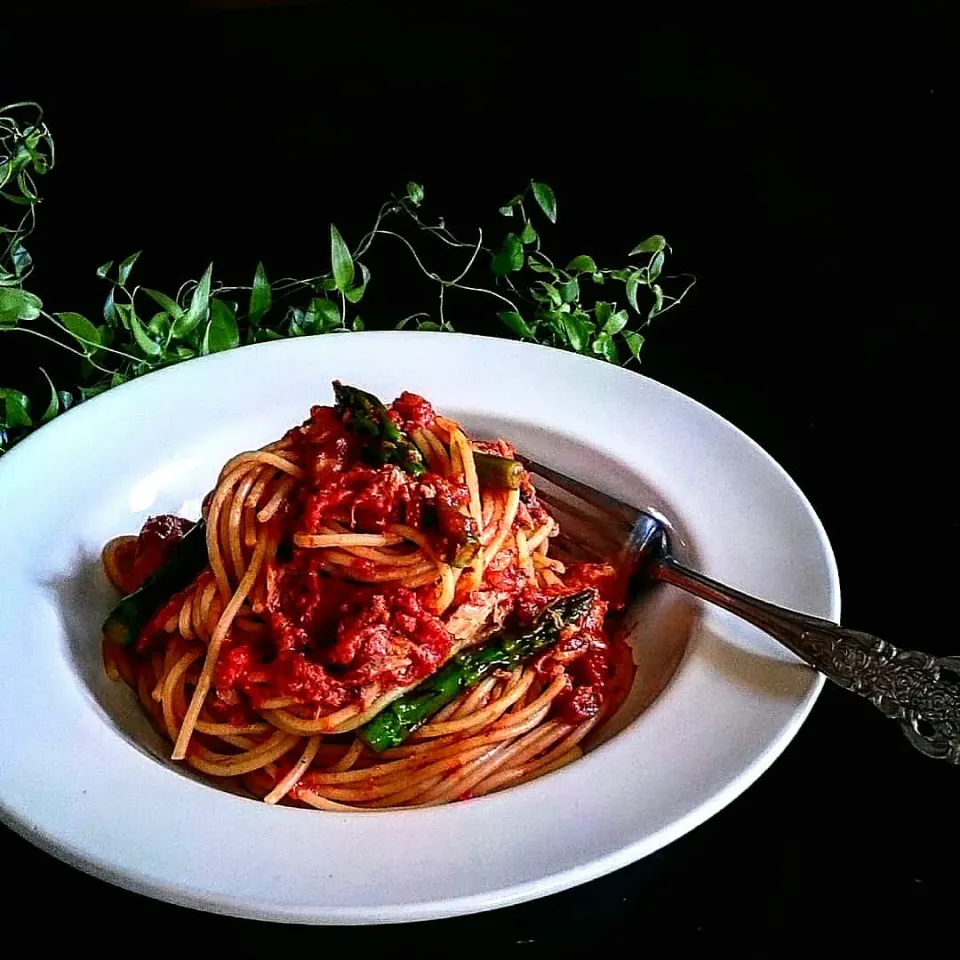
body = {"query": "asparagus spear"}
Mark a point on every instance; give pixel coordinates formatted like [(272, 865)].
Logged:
[(396, 722), (367, 417), (132, 613), (494, 471), (466, 552)]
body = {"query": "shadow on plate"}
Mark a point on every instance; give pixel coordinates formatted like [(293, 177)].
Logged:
[(84, 600)]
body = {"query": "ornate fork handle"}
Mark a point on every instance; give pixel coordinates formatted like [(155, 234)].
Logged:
[(920, 691)]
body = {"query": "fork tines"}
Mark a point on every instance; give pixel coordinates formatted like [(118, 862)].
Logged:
[(593, 525)]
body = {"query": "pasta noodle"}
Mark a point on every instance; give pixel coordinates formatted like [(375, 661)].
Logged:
[(332, 586)]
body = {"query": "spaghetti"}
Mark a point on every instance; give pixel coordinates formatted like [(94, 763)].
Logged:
[(345, 563)]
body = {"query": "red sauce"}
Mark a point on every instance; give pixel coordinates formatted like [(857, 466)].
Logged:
[(592, 658), (333, 642), (365, 499), (413, 412)]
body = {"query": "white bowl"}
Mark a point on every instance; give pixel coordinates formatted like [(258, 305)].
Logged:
[(83, 776)]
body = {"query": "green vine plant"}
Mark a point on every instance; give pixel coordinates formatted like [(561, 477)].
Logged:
[(143, 329)]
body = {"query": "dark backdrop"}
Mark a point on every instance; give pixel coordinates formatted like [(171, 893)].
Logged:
[(800, 172)]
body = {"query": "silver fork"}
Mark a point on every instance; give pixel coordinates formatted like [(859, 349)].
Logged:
[(920, 691)]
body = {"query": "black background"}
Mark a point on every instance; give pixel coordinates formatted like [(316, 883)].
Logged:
[(801, 172)]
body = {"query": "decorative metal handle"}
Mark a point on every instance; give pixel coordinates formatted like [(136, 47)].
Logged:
[(920, 691)]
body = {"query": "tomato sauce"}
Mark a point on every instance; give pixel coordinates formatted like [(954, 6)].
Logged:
[(411, 412), (332, 642), (593, 658)]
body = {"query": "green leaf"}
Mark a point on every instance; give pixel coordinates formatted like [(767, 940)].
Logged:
[(652, 244), (538, 266), (324, 314), (529, 235), (603, 311), (570, 290), (53, 407), (159, 325), (23, 183), (13, 198), (110, 310), (598, 278), (517, 324), (299, 323), (658, 301), (550, 295), (221, 333), (415, 193), (507, 211), (161, 299), (577, 331), (326, 283), (21, 259), (616, 322), (87, 393), (341, 260), (16, 305), (510, 257), (634, 342), (582, 264), (16, 407), (357, 323), (554, 319), (429, 325), (633, 282), (623, 275), (656, 265), (606, 347), (199, 304), (150, 347), (261, 296), (86, 334), (66, 400), (123, 271), (104, 269), (356, 294), (545, 197)]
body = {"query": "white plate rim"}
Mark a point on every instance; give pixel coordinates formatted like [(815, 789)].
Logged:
[(540, 886)]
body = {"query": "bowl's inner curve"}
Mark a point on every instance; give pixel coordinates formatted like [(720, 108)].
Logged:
[(659, 624)]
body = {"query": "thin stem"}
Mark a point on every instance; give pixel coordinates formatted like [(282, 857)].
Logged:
[(519, 293), (182, 292), (491, 293), (412, 316), (416, 257), (21, 232), (471, 261), (433, 276), (676, 300), (440, 231), (90, 343), (45, 336), (24, 103), (364, 245)]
